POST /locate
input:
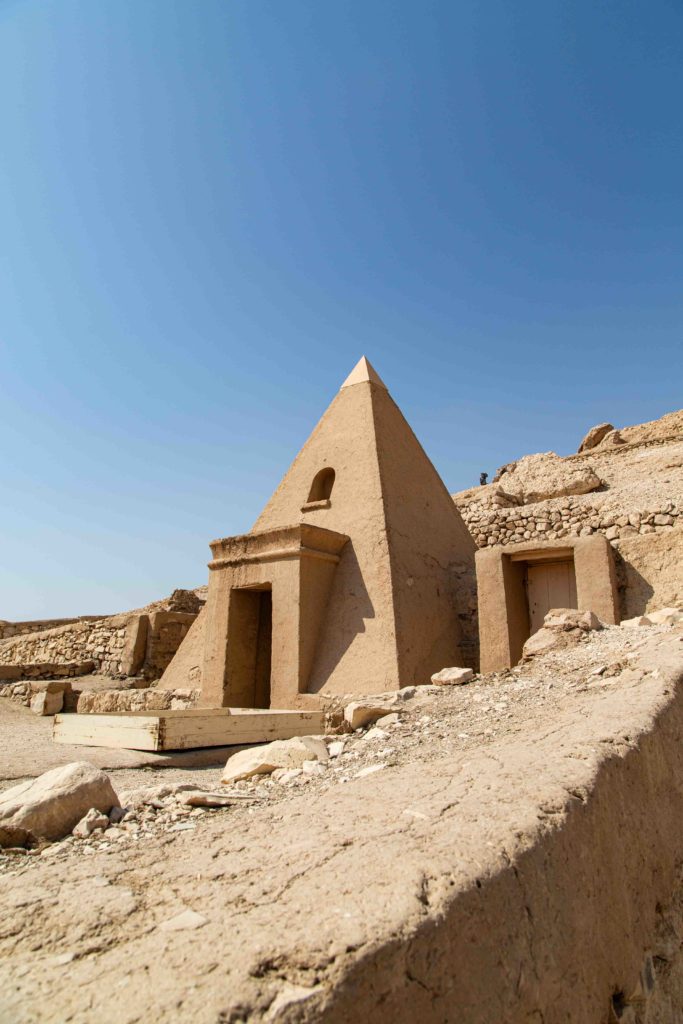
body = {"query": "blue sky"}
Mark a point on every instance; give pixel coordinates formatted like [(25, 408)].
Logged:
[(209, 211)]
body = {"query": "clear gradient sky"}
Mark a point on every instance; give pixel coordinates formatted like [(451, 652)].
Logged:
[(210, 209)]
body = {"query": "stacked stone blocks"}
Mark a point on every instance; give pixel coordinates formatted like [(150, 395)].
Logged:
[(564, 517)]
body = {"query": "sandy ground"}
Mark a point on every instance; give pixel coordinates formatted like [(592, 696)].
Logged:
[(27, 750), (454, 718), (293, 889)]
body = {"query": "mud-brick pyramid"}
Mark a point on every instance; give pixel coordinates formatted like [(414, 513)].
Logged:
[(391, 618), (391, 611)]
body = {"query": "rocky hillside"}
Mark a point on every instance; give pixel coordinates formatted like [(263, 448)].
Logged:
[(621, 483)]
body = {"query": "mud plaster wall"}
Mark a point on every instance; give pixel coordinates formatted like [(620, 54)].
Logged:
[(428, 566), (359, 629), (649, 572), (647, 555), (503, 609), (393, 615), (589, 915)]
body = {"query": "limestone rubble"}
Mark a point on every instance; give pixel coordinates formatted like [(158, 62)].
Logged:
[(263, 760), (50, 806)]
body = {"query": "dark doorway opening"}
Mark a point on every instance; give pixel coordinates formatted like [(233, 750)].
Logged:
[(249, 648)]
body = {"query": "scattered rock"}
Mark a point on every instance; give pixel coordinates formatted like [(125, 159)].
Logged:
[(406, 692), (452, 676), (50, 686), (637, 620), (391, 719), (613, 438), (562, 627), (539, 477), (62, 959), (47, 703), (370, 770), (337, 747), (286, 775), (360, 713), (666, 616), (48, 807), (93, 821), (280, 754), (186, 921), (540, 642), (594, 436), (207, 799), (11, 837), (503, 499), (290, 996), (149, 795), (502, 470), (571, 618), (376, 733)]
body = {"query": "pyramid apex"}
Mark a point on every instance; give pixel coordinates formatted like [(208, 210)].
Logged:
[(363, 372)]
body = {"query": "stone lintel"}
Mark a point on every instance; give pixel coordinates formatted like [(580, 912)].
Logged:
[(301, 540)]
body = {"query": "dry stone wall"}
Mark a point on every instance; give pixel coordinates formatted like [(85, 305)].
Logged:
[(165, 633), (10, 629), (564, 517), (143, 641), (102, 642), (120, 646), (153, 699)]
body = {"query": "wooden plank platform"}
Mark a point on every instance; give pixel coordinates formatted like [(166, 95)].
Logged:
[(184, 730)]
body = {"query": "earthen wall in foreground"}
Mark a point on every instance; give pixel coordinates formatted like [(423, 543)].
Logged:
[(581, 923)]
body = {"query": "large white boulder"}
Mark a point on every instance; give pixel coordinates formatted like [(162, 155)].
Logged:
[(51, 805), (562, 627), (94, 821), (546, 475), (665, 616), (279, 754), (595, 436), (452, 676), (571, 618), (47, 703), (367, 710)]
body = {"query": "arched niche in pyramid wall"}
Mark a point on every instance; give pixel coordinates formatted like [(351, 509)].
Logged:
[(320, 491)]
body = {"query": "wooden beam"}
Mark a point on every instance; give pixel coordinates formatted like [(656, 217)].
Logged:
[(185, 730), (542, 555)]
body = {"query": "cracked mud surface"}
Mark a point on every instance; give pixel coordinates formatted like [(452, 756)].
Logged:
[(307, 894)]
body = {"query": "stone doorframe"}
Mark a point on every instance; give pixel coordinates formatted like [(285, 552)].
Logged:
[(501, 595), (297, 564)]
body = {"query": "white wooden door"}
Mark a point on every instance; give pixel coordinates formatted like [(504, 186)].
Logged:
[(549, 585)]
